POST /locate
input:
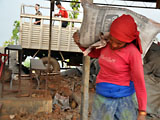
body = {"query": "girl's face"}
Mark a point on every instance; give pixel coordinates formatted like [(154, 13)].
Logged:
[(36, 7), (115, 43)]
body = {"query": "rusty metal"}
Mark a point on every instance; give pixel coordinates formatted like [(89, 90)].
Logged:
[(1, 70), (2, 62), (19, 49), (37, 65)]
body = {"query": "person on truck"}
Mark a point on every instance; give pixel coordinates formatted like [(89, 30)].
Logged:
[(121, 74), (38, 13), (62, 12)]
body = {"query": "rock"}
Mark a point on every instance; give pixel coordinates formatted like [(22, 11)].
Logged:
[(74, 117), (66, 91), (57, 109), (73, 104), (77, 98), (61, 101), (24, 95), (53, 86), (68, 117), (34, 95), (72, 72), (12, 116)]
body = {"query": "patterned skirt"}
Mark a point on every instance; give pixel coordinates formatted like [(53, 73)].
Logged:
[(124, 108)]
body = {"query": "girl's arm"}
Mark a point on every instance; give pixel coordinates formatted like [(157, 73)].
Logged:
[(137, 75)]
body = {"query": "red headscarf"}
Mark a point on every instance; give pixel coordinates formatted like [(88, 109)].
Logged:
[(124, 29)]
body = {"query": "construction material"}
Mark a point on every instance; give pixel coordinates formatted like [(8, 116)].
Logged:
[(19, 49), (98, 19)]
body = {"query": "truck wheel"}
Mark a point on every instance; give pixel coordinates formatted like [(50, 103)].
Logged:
[(54, 64)]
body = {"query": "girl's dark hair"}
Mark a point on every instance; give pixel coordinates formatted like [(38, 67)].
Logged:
[(58, 3), (135, 43), (38, 5)]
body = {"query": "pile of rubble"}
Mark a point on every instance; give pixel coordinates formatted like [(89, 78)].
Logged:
[(66, 95)]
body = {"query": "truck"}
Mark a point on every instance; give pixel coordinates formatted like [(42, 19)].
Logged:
[(34, 39)]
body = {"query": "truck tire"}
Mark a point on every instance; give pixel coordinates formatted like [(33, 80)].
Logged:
[(55, 67)]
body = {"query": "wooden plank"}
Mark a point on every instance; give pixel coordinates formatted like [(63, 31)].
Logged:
[(59, 34), (20, 31), (48, 18), (30, 33)]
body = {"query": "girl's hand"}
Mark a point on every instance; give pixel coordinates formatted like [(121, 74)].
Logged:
[(141, 117), (106, 36)]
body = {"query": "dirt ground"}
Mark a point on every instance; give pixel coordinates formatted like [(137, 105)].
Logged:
[(66, 86)]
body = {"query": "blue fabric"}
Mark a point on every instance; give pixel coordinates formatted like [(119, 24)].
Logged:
[(104, 108), (113, 90)]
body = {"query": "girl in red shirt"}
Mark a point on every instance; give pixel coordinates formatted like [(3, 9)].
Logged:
[(121, 74)]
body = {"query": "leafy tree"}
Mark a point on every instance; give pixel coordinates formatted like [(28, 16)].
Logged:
[(15, 32), (8, 42), (75, 7), (15, 35)]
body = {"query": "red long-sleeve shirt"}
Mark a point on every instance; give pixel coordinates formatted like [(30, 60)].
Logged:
[(119, 67), (63, 12)]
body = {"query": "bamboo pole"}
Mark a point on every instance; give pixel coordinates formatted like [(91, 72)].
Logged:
[(85, 87), (50, 34)]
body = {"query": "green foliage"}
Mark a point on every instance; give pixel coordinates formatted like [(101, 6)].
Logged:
[(15, 35), (75, 7), (15, 32), (9, 42)]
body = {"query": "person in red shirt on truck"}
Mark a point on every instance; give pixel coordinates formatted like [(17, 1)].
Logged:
[(62, 12)]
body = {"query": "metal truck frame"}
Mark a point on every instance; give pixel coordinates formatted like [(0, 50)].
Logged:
[(34, 39)]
